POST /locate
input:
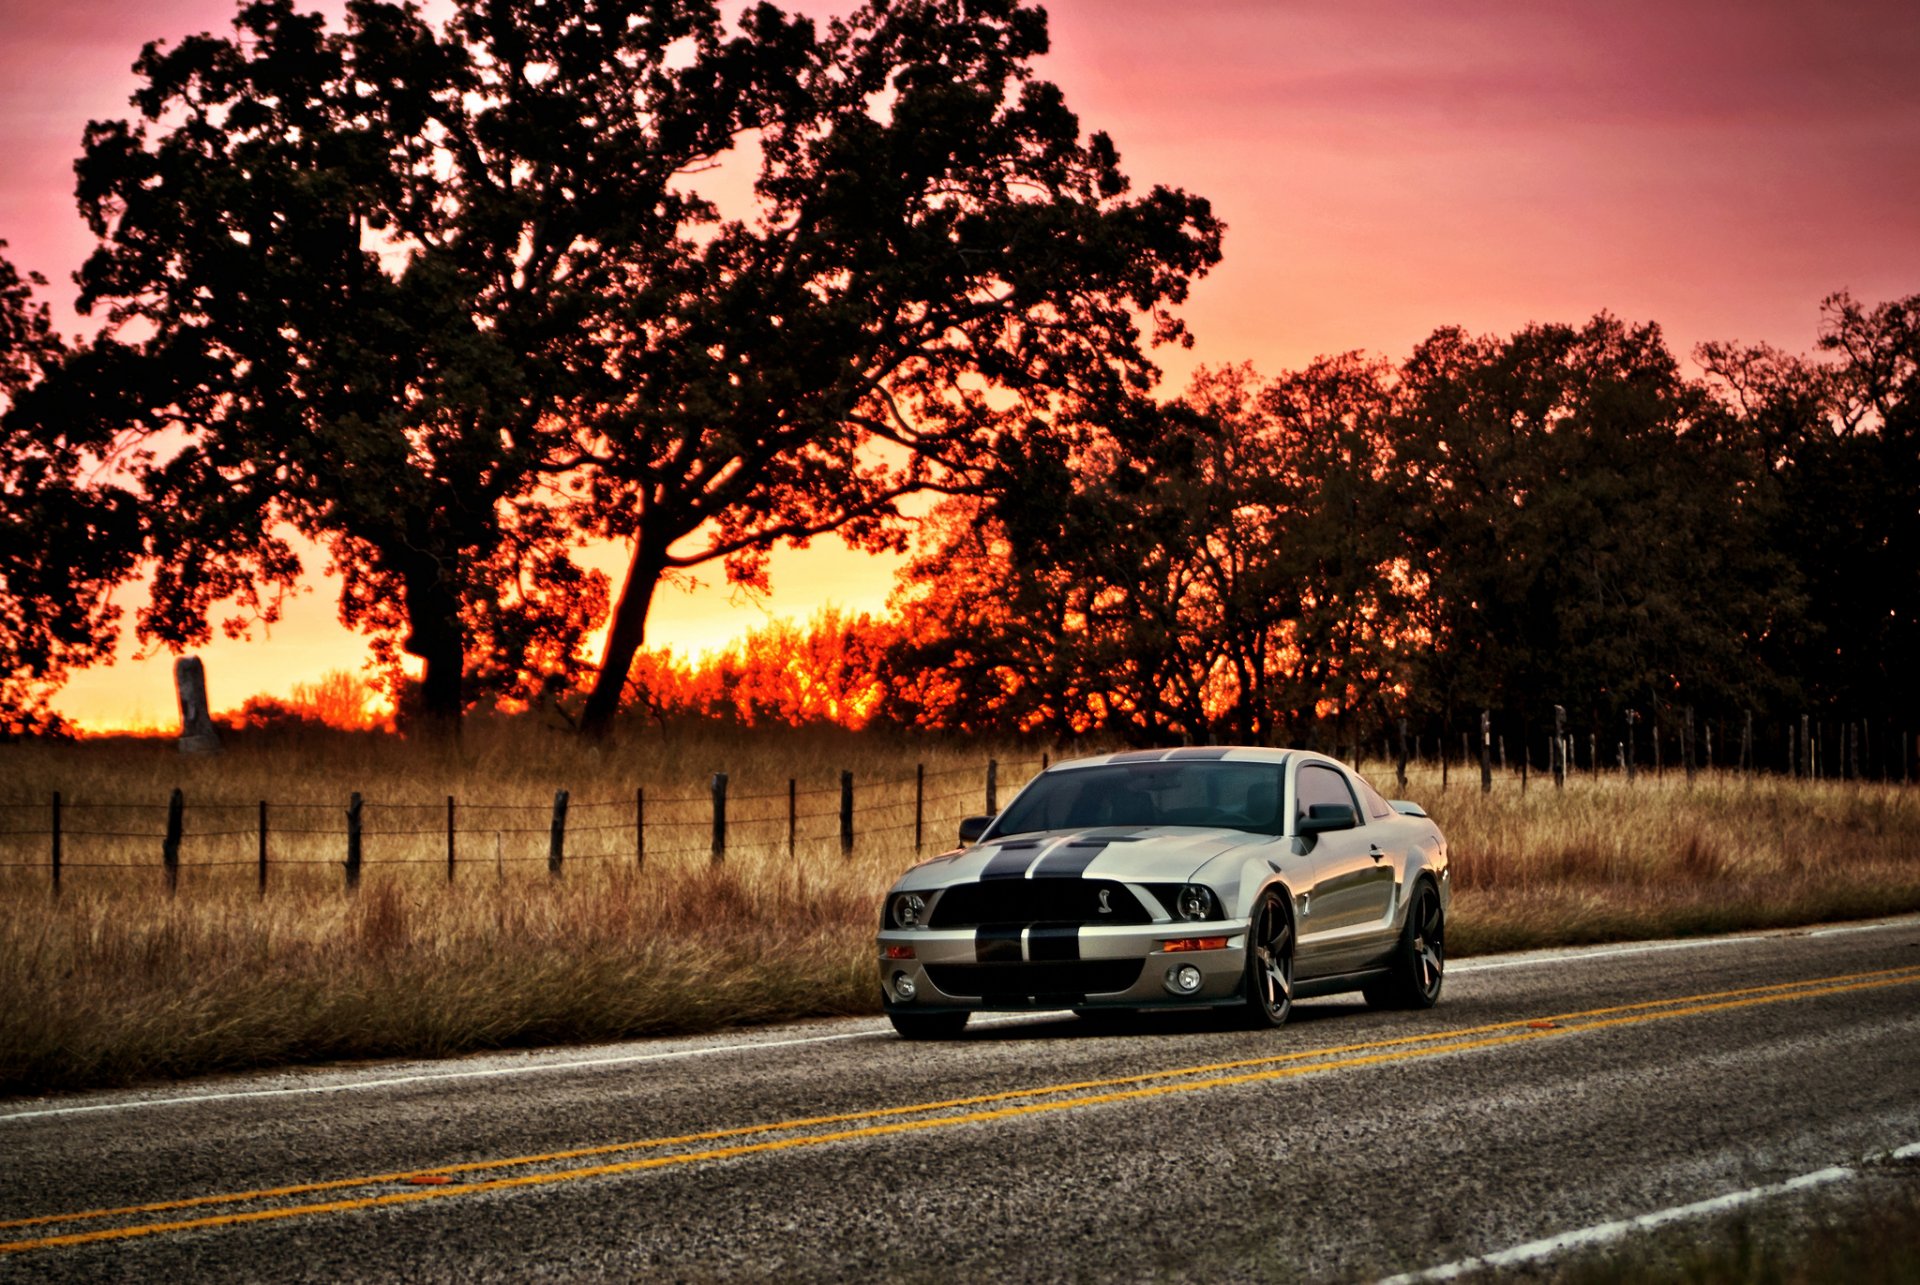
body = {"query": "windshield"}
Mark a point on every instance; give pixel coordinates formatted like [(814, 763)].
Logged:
[(1233, 796)]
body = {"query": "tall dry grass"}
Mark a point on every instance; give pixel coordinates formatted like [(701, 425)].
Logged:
[(116, 981)]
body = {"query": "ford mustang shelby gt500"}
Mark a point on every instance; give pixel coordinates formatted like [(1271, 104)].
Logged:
[(1230, 878)]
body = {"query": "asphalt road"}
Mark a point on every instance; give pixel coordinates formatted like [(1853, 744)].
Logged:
[(1546, 1093)]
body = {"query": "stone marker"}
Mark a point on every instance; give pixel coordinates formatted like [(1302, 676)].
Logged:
[(196, 728)]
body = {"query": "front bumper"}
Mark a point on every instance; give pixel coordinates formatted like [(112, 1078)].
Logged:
[(1044, 967)]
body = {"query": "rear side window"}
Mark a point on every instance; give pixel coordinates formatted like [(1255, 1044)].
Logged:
[(1317, 784), (1376, 802)]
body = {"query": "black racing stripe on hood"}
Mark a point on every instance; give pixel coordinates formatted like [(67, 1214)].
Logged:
[(1010, 862), (998, 944), (1069, 861)]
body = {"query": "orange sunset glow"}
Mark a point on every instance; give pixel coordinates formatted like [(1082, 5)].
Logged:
[(1382, 169)]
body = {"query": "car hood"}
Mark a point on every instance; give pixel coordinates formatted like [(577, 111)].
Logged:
[(1130, 854)]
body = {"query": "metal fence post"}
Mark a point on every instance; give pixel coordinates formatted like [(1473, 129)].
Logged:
[(793, 814), (639, 827), (993, 787), (557, 836), (263, 848), (719, 787), (353, 841), (919, 803), (450, 833), (846, 814), (170, 846)]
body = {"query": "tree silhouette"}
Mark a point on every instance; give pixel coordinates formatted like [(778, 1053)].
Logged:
[(936, 265), (64, 543), (1583, 520), (438, 296)]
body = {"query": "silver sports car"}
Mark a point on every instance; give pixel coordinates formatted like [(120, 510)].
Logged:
[(1229, 878)]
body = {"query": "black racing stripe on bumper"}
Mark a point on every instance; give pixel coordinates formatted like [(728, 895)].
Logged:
[(1053, 942), (1009, 863), (998, 944), (1069, 861)]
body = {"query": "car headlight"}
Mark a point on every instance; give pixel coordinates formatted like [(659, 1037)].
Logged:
[(906, 908), (1194, 903)]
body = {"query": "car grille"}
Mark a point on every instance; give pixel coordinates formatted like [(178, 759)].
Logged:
[(1028, 901), (1024, 983)]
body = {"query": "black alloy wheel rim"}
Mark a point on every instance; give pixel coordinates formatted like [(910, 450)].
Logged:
[(1429, 942), (1273, 958)]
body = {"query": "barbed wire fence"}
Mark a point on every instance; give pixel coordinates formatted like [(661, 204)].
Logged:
[(59, 835)]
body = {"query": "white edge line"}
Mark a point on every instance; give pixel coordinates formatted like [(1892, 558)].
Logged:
[(1602, 1233), (434, 1077), (1576, 954)]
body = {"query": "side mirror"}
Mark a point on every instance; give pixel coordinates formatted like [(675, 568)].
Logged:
[(1323, 817), (973, 827)]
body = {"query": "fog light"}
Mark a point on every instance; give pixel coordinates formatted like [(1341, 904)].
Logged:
[(904, 989), (1184, 980)]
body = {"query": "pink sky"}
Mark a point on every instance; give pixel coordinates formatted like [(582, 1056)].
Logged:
[(1384, 168)]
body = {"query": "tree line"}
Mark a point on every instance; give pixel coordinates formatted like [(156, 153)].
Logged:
[(445, 298)]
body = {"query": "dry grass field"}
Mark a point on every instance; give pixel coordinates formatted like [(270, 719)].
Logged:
[(116, 981)]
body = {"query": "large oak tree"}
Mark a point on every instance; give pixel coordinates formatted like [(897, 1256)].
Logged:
[(441, 295)]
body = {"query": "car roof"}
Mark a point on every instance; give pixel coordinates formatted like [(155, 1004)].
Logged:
[(1188, 753)]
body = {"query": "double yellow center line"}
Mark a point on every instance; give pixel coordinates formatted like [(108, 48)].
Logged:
[(446, 1181)]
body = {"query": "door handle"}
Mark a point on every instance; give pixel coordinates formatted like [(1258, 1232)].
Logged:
[(1373, 850)]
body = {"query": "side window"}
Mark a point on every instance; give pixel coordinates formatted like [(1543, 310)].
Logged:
[(1376, 803), (1317, 784)]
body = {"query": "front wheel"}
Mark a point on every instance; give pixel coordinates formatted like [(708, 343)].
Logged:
[(1269, 981), (1420, 960), (928, 1026)]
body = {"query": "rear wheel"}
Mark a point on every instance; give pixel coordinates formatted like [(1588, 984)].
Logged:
[(1420, 960), (1269, 982), (928, 1026)]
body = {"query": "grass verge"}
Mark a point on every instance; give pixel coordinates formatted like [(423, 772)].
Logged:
[(116, 982)]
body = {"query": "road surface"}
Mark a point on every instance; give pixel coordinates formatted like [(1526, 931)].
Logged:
[(1548, 1092)]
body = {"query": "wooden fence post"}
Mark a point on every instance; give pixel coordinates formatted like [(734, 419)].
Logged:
[(263, 848), (719, 788), (1400, 764), (353, 841), (557, 835), (1486, 751), (846, 814), (450, 834), (1559, 747), (993, 787), (1806, 751), (55, 856), (1633, 717), (170, 846), (920, 803), (1686, 745)]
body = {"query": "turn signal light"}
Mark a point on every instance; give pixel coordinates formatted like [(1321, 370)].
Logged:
[(906, 952), (1194, 943)]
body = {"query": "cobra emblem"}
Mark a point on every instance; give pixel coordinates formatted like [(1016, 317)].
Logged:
[(1105, 909)]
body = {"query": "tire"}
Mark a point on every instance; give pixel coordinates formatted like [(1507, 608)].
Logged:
[(1419, 961), (1268, 986), (928, 1026)]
